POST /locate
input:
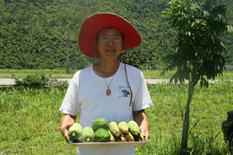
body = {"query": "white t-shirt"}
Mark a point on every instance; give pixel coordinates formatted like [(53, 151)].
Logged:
[(87, 94)]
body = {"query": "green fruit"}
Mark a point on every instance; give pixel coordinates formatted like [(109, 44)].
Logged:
[(74, 132), (123, 126), (139, 137), (114, 129), (130, 137), (133, 128), (88, 134), (122, 138), (112, 139), (100, 123), (102, 135)]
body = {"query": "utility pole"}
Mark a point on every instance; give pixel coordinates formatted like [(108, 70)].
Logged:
[(68, 47), (73, 60)]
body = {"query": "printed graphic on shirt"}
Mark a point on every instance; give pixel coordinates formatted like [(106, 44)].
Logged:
[(124, 91)]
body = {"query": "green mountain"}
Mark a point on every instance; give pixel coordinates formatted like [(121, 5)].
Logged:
[(38, 33)]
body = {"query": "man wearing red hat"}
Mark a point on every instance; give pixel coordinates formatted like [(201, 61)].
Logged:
[(107, 89)]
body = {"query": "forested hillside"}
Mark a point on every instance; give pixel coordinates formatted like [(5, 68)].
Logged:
[(38, 33)]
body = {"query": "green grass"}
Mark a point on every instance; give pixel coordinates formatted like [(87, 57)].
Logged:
[(208, 110), (30, 120), (61, 73), (56, 73)]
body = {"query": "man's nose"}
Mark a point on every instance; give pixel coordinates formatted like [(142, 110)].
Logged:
[(110, 42)]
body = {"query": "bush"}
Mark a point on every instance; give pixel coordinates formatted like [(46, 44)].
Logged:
[(37, 79)]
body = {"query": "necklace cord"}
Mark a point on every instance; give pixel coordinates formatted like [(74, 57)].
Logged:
[(131, 93), (110, 81)]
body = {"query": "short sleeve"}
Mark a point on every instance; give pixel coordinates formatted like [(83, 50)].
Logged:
[(70, 104), (142, 97)]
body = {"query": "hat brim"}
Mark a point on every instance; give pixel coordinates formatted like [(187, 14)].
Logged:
[(97, 22)]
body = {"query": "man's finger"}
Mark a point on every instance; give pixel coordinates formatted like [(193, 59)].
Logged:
[(64, 132), (145, 134)]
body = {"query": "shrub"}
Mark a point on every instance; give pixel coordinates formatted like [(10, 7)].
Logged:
[(37, 79)]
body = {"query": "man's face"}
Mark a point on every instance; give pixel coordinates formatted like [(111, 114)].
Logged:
[(110, 43)]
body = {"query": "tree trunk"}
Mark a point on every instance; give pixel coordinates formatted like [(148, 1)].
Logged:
[(184, 143)]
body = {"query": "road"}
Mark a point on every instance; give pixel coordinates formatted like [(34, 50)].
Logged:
[(9, 81)]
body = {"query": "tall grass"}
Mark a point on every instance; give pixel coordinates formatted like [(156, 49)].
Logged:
[(208, 109), (30, 120)]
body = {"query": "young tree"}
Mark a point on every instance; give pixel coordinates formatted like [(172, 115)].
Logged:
[(198, 54)]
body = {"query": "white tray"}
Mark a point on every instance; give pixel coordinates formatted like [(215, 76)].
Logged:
[(90, 144)]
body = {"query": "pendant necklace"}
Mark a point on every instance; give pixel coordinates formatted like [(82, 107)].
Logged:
[(108, 91)]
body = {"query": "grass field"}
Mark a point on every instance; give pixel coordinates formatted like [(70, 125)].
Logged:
[(30, 120), (56, 73), (61, 73)]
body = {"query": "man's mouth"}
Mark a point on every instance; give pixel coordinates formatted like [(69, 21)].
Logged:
[(110, 50)]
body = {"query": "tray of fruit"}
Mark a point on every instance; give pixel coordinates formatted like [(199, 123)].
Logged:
[(103, 133)]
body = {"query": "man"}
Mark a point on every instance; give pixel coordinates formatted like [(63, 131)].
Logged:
[(108, 89)]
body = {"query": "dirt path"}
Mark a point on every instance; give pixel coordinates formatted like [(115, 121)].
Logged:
[(9, 81)]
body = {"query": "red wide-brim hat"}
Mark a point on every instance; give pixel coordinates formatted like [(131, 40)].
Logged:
[(97, 22)]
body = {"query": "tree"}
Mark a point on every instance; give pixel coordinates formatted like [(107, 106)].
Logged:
[(33, 33), (198, 54)]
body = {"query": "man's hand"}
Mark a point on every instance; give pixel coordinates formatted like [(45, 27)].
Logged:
[(66, 122), (141, 118)]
